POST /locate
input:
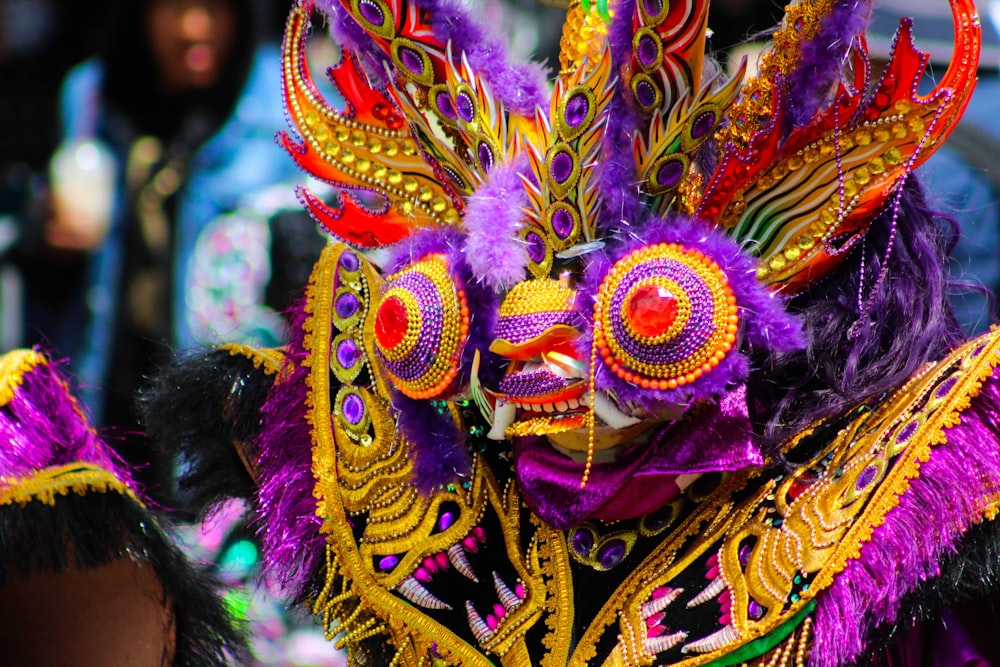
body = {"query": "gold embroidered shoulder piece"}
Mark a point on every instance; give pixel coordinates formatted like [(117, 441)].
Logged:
[(730, 570)]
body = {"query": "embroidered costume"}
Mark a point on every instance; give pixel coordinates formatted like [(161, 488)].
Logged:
[(653, 367)]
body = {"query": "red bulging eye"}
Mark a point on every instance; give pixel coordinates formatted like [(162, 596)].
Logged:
[(391, 323), (652, 310)]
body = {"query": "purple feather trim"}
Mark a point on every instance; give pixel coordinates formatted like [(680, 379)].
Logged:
[(293, 543), (924, 528), (495, 254), (521, 86), (821, 60), (42, 426), (765, 323), (437, 447)]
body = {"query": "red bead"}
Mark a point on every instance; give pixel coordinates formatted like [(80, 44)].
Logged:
[(652, 310), (391, 323)]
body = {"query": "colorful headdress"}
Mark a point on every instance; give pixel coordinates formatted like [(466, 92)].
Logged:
[(514, 419)]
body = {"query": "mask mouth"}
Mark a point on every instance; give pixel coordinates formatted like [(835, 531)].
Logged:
[(548, 395)]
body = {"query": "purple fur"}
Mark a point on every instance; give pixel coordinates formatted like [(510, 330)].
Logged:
[(344, 29), (293, 543), (42, 426), (926, 526), (522, 87), (495, 254), (766, 325), (437, 445), (822, 58)]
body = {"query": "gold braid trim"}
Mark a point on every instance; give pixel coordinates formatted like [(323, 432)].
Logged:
[(13, 367), (801, 24), (270, 360), (973, 372), (823, 527), (78, 477), (362, 608)]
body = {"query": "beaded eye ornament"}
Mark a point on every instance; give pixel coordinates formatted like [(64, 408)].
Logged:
[(620, 241)]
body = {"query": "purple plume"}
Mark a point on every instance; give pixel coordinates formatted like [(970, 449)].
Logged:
[(293, 543), (926, 527), (493, 250), (521, 86), (42, 426), (822, 59), (437, 445)]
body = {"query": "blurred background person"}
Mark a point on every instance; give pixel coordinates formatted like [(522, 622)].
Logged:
[(156, 235)]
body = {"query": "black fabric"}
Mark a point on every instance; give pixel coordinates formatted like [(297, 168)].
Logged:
[(195, 411)]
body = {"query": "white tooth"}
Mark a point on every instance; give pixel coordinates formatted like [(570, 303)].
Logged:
[(535, 407), (503, 416), (710, 592), (562, 406), (654, 645), (611, 415), (659, 604), (456, 554), (411, 589), (573, 403), (713, 642), (480, 630), (548, 407)]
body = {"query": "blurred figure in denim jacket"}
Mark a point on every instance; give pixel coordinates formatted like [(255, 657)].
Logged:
[(158, 231)]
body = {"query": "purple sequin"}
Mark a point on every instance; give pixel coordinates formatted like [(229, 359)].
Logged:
[(583, 542), (387, 563), (645, 93), (349, 261), (703, 124), (755, 610), (353, 409), (647, 50), (410, 59), (562, 223), (611, 553), (445, 105), (485, 156), (371, 13), (347, 304), (866, 477), (348, 353), (416, 364), (536, 247), (577, 108), (446, 520), (465, 107), (561, 166), (907, 432), (669, 173), (653, 7)]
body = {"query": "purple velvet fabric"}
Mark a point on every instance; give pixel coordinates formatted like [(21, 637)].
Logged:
[(716, 438), (43, 426), (925, 527)]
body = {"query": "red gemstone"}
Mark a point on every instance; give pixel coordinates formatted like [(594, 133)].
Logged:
[(391, 323), (652, 310)]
